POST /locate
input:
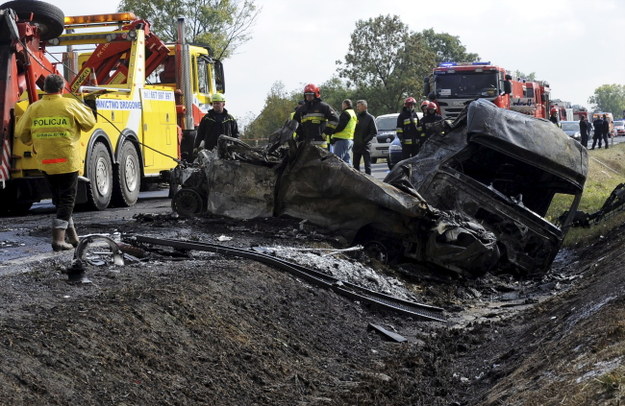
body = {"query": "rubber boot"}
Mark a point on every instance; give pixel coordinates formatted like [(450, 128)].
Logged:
[(71, 234), (58, 240)]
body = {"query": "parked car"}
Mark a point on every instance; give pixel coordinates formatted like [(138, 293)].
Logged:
[(386, 124), (571, 128), (619, 127), (394, 149)]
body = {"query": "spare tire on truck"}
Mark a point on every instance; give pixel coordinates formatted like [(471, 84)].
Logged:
[(49, 18)]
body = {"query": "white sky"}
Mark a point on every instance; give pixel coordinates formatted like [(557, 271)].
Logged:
[(575, 45)]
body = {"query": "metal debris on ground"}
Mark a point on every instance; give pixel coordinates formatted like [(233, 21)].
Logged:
[(387, 333)]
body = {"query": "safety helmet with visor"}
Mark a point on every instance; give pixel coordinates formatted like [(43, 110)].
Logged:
[(312, 89)]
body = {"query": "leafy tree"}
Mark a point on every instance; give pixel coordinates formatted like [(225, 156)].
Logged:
[(277, 109), (520, 75), (387, 62), (222, 25), (447, 48), (609, 98)]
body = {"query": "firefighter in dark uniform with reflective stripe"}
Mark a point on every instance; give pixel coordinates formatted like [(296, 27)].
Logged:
[(317, 120), (407, 128), (430, 117)]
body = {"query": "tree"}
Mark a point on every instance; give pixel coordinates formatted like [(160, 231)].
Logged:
[(222, 25), (520, 75), (387, 62), (609, 98), (277, 109), (377, 60), (447, 48)]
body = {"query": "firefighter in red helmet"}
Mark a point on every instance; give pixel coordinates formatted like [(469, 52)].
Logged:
[(553, 115), (316, 119), (408, 128), (430, 117)]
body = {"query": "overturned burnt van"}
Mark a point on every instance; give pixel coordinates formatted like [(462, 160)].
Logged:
[(471, 202), (502, 169)]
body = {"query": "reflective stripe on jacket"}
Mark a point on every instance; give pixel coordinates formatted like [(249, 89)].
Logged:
[(53, 126), (407, 126), (347, 125), (316, 118)]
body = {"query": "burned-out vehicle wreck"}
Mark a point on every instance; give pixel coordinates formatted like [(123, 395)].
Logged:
[(473, 200)]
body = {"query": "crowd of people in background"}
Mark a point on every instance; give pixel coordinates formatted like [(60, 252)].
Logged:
[(351, 133)]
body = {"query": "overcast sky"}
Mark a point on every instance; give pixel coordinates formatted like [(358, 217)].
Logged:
[(575, 45)]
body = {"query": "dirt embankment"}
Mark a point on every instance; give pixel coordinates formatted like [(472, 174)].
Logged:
[(217, 330)]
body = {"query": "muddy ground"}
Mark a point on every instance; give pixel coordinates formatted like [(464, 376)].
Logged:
[(209, 329)]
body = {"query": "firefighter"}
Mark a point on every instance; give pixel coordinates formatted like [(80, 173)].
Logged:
[(553, 115), (407, 132), (343, 137), (426, 122), (215, 123), (424, 106), (317, 120), (52, 126)]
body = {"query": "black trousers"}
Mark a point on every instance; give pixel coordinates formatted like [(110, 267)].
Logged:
[(365, 155), (584, 140), (63, 187)]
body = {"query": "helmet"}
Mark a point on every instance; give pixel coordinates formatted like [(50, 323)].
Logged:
[(553, 110), (432, 106), (218, 97), (310, 88), (410, 100), (424, 104)]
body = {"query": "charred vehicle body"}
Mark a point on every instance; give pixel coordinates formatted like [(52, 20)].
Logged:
[(472, 201), (503, 169)]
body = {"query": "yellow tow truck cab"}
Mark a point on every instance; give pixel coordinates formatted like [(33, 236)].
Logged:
[(148, 98)]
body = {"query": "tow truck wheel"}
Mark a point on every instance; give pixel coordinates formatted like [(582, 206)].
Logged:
[(127, 176), (100, 172), (48, 17)]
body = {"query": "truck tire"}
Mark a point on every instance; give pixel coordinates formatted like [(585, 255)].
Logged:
[(100, 173), (127, 176), (48, 17)]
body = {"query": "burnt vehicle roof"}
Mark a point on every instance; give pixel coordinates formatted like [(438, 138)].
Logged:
[(533, 140)]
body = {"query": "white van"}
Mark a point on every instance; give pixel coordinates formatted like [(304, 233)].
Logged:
[(387, 127)]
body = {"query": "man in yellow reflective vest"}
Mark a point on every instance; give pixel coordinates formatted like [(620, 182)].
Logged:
[(52, 126), (343, 138)]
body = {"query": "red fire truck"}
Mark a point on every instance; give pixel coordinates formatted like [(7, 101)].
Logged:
[(453, 85)]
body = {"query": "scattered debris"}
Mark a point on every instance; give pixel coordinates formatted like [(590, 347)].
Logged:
[(387, 333)]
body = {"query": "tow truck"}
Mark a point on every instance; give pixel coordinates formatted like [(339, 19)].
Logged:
[(453, 85), (148, 97)]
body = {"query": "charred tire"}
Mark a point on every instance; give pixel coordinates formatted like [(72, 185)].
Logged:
[(48, 17), (377, 250), (100, 172), (188, 203), (127, 176)]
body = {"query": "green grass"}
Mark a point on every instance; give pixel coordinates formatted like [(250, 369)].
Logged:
[(606, 170)]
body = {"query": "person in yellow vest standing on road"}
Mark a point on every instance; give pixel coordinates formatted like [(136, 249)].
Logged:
[(52, 126), (343, 138)]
